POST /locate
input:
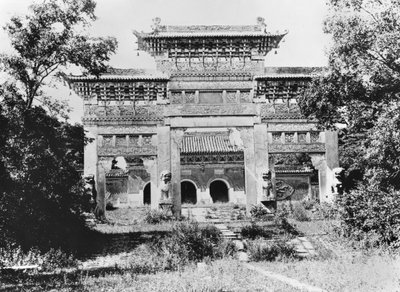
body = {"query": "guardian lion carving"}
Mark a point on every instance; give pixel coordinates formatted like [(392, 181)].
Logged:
[(165, 186)]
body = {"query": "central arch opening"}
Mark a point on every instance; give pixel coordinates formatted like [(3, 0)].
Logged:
[(188, 193), (219, 191), (147, 194)]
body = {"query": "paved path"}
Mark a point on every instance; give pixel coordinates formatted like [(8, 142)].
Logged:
[(292, 282), (303, 247)]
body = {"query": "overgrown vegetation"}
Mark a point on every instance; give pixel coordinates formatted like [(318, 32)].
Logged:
[(262, 250), (156, 216), (360, 92), (41, 193)]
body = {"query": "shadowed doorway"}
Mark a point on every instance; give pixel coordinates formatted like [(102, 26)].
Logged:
[(147, 194), (188, 193), (219, 192)]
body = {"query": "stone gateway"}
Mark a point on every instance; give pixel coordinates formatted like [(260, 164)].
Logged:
[(212, 115)]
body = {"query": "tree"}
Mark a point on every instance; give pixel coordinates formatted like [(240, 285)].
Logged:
[(361, 90), (48, 40), (362, 80), (41, 192)]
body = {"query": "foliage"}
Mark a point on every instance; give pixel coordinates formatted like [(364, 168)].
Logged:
[(254, 231), (308, 204), (361, 86), (368, 212), (300, 213), (189, 242), (15, 256), (155, 216), (48, 39), (261, 250), (41, 195), (326, 210), (260, 212)]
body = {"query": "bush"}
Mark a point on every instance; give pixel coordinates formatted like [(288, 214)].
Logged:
[(189, 242), (254, 231), (261, 250), (157, 216), (53, 259), (326, 211), (309, 204), (368, 211), (259, 212), (299, 213)]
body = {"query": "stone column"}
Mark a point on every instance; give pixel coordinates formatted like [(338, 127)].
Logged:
[(90, 152), (163, 161), (319, 162), (176, 140), (103, 165), (250, 177), (261, 155), (332, 159)]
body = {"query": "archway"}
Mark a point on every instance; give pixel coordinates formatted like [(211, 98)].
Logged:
[(219, 191), (188, 193), (147, 194)]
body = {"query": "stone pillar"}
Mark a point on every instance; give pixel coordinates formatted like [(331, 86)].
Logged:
[(261, 155), (163, 162), (319, 162), (102, 166), (176, 140), (90, 152), (332, 160), (250, 176)]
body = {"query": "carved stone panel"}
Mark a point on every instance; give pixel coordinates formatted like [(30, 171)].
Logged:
[(292, 148), (204, 110)]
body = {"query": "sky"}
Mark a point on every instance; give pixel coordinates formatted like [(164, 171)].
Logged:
[(305, 44)]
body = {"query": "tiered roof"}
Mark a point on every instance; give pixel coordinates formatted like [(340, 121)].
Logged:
[(208, 143)]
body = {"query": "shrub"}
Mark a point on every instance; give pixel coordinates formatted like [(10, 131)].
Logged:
[(189, 242), (53, 259), (299, 213), (326, 210), (157, 216), (261, 250), (368, 211), (254, 231), (260, 212), (308, 204)]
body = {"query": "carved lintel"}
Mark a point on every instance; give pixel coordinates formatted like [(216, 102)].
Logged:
[(303, 148)]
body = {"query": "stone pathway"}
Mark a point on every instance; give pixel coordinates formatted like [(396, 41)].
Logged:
[(303, 247), (226, 233), (290, 281)]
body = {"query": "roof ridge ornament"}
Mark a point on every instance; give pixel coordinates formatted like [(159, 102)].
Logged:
[(156, 25), (262, 24)]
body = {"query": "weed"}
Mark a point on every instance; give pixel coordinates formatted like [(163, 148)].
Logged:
[(261, 250)]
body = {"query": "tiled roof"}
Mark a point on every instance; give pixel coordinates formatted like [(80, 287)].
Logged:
[(295, 169), (283, 76), (114, 74), (116, 173), (197, 34), (207, 144)]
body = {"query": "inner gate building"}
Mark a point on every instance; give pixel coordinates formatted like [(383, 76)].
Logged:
[(212, 114)]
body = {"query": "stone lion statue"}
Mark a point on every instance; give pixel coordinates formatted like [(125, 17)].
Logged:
[(165, 185), (338, 178), (267, 187)]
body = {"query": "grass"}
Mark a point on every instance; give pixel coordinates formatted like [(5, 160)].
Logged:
[(356, 273)]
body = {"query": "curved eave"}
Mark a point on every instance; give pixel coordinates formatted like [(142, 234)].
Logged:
[(115, 78), (284, 76), (208, 35)]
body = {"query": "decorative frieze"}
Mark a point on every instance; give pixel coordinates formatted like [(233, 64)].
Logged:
[(291, 148), (227, 158), (126, 130), (154, 112), (215, 109)]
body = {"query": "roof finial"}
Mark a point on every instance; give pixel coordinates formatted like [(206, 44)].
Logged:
[(156, 24), (261, 22)]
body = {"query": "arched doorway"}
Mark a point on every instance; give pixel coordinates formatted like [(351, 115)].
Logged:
[(219, 191), (188, 193), (147, 194)]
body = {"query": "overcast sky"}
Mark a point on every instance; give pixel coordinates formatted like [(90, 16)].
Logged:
[(305, 44)]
